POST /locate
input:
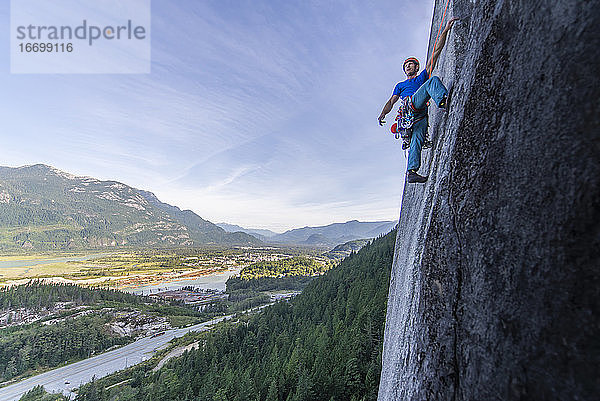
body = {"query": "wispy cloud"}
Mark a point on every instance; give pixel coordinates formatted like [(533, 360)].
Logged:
[(259, 113)]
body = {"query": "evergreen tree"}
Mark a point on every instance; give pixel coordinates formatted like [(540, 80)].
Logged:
[(323, 345)]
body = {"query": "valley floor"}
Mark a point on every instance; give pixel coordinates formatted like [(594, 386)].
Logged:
[(141, 269)]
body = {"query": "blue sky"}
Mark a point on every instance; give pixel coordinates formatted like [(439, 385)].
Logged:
[(258, 113)]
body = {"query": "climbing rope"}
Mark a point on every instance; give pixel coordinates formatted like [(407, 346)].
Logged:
[(438, 34)]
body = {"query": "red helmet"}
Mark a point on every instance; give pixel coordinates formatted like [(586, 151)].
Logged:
[(413, 59)]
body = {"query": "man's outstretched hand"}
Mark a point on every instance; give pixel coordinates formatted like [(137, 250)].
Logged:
[(381, 120)]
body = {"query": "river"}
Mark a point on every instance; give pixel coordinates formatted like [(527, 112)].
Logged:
[(210, 281)]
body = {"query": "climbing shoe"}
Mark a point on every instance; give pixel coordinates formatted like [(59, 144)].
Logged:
[(414, 177), (444, 103), (426, 144)]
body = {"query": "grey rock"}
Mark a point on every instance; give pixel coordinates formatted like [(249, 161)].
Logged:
[(495, 287)]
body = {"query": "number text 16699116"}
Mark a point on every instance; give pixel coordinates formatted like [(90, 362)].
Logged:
[(46, 47)]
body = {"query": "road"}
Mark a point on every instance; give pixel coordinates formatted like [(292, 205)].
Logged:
[(101, 365)]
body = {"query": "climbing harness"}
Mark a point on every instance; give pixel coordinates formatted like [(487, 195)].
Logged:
[(406, 113), (405, 119)]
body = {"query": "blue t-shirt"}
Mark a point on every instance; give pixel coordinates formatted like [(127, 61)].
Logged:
[(410, 86)]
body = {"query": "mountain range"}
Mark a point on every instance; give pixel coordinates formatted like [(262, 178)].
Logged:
[(44, 208), (260, 233), (343, 250), (329, 235)]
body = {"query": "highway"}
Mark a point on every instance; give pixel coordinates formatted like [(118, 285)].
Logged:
[(82, 372)]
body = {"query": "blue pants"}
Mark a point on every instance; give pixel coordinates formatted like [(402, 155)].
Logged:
[(431, 89)]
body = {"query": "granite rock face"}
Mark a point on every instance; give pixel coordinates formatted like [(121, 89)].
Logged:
[(495, 288)]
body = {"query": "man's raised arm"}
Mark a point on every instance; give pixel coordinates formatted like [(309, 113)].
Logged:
[(387, 108), (439, 46)]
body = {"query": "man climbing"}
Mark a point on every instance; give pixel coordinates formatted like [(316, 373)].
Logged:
[(414, 93)]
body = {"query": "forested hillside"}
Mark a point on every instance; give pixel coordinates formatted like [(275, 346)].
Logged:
[(323, 345), (295, 266), (37, 295), (37, 347), (71, 323), (44, 208), (345, 249)]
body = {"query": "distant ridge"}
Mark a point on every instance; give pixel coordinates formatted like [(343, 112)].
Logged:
[(44, 208), (256, 232), (343, 250), (336, 233), (326, 236)]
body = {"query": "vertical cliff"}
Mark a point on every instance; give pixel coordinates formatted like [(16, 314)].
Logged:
[(495, 284)]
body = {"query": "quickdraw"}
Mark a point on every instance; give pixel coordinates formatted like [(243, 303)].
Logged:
[(406, 113), (405, 119)]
